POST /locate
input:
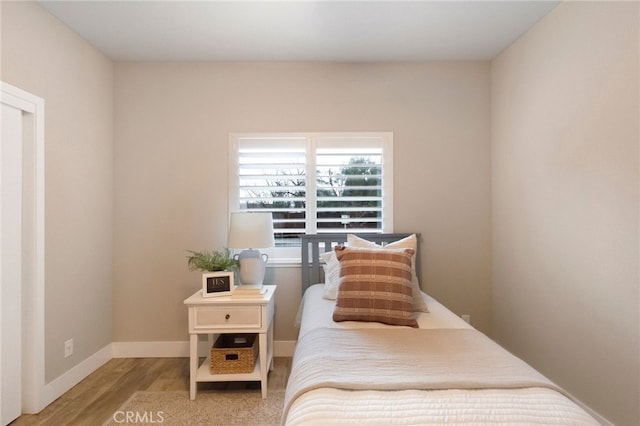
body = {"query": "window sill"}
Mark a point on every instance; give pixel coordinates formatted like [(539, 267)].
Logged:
[(284, 263)]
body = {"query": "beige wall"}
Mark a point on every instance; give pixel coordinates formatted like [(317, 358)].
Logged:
[(172, 126), (561, 106), (43, 57), (565, 202)]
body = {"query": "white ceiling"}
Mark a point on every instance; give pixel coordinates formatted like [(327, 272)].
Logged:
[(301, 30)]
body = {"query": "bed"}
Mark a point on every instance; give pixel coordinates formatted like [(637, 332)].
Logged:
[(438, 370)]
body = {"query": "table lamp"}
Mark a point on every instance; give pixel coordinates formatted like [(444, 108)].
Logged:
[(249, 231)]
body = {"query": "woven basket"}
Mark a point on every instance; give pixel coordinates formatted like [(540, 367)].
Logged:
[(234, 354)]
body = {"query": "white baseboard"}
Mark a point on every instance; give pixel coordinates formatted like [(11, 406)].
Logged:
[(179, 349), (150, 349), (56, 388), (66, 381)]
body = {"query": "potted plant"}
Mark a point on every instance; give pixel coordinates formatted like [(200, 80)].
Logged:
[(216, 267), (211, 261)]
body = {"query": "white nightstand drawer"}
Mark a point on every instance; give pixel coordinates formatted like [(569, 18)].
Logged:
[(231, 317)]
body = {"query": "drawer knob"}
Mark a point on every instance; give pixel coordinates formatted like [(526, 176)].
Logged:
[(226, 317)]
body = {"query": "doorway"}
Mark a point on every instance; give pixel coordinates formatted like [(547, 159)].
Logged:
[(21, 254)]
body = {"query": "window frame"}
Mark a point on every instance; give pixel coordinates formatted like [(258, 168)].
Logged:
[(282, 256)]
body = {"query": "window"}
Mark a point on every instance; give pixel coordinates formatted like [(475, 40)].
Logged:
[(314, 183)]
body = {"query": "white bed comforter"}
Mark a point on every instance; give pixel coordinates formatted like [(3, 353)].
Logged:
[(529, 406), (434, 379)]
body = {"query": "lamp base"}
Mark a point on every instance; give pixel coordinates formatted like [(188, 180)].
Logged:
[(252, 266)]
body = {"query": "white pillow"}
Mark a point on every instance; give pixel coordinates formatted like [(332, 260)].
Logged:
[(331, 275), (410, 242)]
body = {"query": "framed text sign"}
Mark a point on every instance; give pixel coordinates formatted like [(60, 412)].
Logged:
[(217, 283)]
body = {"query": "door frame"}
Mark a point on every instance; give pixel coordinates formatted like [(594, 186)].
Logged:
[(33, 337)]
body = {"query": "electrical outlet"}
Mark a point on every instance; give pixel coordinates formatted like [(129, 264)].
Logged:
[(68, 348), (466, 318)]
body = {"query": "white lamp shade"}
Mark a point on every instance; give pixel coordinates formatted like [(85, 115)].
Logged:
[(250, 230)]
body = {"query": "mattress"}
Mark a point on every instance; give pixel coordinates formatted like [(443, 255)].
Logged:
[(336, 406), (316, 312)]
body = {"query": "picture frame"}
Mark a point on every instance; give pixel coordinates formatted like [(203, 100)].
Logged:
[(215, 284)]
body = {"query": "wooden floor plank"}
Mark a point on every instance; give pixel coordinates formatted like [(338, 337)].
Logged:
[(95, 399)]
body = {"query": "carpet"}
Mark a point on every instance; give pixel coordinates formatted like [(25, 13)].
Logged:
[(174, 408)]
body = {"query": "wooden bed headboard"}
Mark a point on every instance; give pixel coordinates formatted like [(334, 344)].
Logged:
[(313, 245)]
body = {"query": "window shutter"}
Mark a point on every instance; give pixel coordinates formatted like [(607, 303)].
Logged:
[(272, 177), (314, 183), (349, 184)]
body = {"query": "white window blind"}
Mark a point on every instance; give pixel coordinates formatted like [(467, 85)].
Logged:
[(314, 183)]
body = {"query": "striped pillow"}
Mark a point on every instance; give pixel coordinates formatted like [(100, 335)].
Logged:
[(375, 286)]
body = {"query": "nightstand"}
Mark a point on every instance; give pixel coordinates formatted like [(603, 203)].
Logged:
[(231, 314)]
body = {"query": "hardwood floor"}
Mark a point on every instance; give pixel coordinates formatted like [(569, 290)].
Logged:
[(94, 400)]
